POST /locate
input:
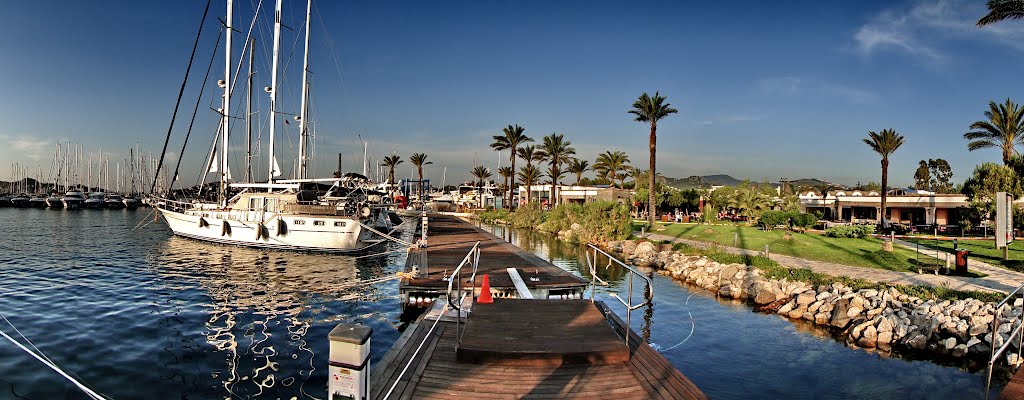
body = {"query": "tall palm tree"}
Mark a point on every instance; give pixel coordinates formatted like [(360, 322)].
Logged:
[(481, 173), (391, 162), (610, 163), (578, 167), (651, 110), (884, 144), (419, 160), (1004, 129), (557, 151), (507, 173), (530, 154), (823, 188), (529, 175), (999, 10), (511, 138)]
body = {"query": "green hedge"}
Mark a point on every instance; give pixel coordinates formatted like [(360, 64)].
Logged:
[(850, 231)]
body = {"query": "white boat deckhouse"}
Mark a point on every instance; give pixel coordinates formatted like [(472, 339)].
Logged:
[(906, 206), (296, 213)]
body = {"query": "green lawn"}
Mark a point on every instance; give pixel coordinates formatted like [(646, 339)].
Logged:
[(865, 252), (984, 250)]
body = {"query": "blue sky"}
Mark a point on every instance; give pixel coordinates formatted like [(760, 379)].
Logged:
[(764, 89)]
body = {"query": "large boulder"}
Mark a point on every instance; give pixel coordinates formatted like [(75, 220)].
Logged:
[(763, 293), (645, 249), (840, 319), (918, 342)]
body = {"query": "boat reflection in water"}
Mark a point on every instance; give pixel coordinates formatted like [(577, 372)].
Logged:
[(267, 315)]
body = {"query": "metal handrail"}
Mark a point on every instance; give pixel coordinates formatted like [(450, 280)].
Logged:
[(629, 295), (472, 258), (995, 332)]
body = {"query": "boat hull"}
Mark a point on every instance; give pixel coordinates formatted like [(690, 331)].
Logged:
[(226, 228)]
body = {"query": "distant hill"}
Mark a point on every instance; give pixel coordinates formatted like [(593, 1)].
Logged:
[(706, 181)]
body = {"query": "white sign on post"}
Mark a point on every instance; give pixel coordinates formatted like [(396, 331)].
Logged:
[(1004, 219)]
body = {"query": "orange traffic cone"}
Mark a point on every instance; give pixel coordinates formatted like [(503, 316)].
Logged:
[(485, 292)]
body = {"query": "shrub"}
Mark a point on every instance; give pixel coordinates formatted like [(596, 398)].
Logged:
[(854, 231), (802, 220), (770, 219), (493, 216), (528, 216)]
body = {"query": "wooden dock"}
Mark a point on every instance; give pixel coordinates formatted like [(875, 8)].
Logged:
[(449, 240), (1014, 389), (546, 348)]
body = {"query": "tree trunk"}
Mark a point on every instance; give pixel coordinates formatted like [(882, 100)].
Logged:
[(554, 185), (512, 187), (651, 207), (885, 185)]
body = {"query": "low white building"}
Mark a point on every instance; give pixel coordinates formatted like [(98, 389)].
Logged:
[(906, 206), (576, 194)]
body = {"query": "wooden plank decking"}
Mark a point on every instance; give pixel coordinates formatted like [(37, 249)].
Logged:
[(450, 239), (1014, 389), (518, 348)]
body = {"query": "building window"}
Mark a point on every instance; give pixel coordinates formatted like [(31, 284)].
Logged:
[(300, 222), (339, 223), (318, 223)]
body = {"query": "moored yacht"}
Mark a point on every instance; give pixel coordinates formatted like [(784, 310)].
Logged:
[(5, 200), (73, 199), (54, 201), (37, 201), (95, 200), (130, 202), (114, 201), (21, 200)]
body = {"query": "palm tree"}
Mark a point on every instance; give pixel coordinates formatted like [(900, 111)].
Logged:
[(578, 167), (999, 10), (749, 203), (1003, 129), (507, 173), (530, 154), (529, 175), (651, 110), (823, 188), (391, 162), (610, 163), (513, 136), (557, 151), (481, 173), (884, 144), (419, 160)]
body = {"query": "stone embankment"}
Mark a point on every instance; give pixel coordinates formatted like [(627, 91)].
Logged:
[(866, 318)]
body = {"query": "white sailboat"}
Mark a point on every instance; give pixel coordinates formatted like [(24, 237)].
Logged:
[(280, 214)]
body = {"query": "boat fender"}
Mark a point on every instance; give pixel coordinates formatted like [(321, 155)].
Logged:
[(203, 223), (282, 227), (259, 231), (365, 211), (225, 229)]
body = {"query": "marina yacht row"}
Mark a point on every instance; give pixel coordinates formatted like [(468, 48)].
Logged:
[(72, 199)]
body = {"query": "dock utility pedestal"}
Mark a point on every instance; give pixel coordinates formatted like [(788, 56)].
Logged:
[(349, 371)]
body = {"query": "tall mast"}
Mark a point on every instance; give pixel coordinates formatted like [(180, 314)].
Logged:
[(248, 119), (226, 111), (273, 91), (304, 113)]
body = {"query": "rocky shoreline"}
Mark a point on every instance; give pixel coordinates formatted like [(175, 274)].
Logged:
[(867, 318)]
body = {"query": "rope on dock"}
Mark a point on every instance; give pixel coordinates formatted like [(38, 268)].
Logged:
[(47, 362), (417, 352)]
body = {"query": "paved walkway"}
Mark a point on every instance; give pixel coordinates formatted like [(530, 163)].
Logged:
[(998, 279)]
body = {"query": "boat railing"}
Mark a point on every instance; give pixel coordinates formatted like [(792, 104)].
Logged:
[(1017, 333), (455, 302), (592, 253)]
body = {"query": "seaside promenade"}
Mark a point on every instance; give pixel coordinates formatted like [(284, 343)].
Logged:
[(998, 279)]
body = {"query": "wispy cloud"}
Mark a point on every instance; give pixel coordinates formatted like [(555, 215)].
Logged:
[(793, 86), (27, 146), (920, 29)]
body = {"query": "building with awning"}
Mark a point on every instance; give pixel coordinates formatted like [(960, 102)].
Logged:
[(905, 206)]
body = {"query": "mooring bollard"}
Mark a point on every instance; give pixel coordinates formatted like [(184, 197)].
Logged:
[(349, 362), (423, 231)]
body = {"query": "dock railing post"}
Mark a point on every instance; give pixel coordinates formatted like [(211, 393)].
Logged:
[(349, 362)]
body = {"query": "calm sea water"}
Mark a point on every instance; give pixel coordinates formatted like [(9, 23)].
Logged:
[(144, 314)]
